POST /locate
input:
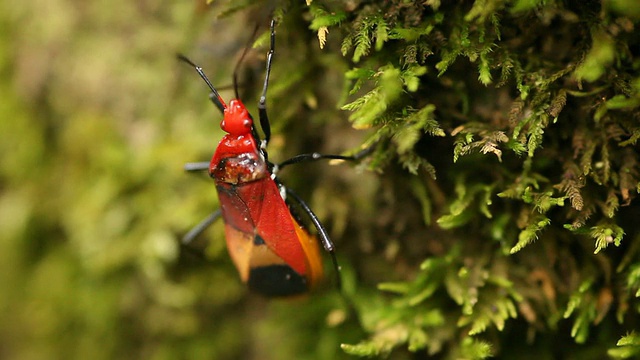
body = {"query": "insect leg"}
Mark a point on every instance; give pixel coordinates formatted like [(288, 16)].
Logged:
[(236, 70), (262, 104), (196, 166), (322, 233), (202, 226), (317, 156)]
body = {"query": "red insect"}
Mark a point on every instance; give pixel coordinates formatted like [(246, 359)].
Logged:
[(274, 254)]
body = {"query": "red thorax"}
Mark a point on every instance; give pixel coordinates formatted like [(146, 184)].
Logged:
[(237, 158)]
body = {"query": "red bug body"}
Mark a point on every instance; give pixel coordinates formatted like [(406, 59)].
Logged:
[(273, 253)]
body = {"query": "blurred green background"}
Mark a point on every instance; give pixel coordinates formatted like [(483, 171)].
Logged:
[(97, 119)]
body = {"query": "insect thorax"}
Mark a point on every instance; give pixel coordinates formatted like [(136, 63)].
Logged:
[(238, 169)]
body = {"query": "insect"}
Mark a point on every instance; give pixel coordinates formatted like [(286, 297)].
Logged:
[(275, 255)]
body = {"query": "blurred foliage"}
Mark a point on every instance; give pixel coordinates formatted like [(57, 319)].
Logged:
[(497, 213)]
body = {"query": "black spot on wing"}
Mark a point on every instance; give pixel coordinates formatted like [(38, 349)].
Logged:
[(277, 281), (258, 240)]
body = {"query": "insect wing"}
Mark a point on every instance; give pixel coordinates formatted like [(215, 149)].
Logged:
[(255, 214), (278, 229)]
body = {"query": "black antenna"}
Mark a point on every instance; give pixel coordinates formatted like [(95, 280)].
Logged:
[(244, 53), (262, 104), (217, 99)]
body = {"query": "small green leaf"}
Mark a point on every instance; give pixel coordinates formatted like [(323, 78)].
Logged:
[(606, 234), (530, 233), (525, 5), (598, 59), (362, 40), (381, 32), (447, 59), (411, 77), (324, 19), (395, 287), (473, 349), (362, 349), (484, 69), (417, 340)]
